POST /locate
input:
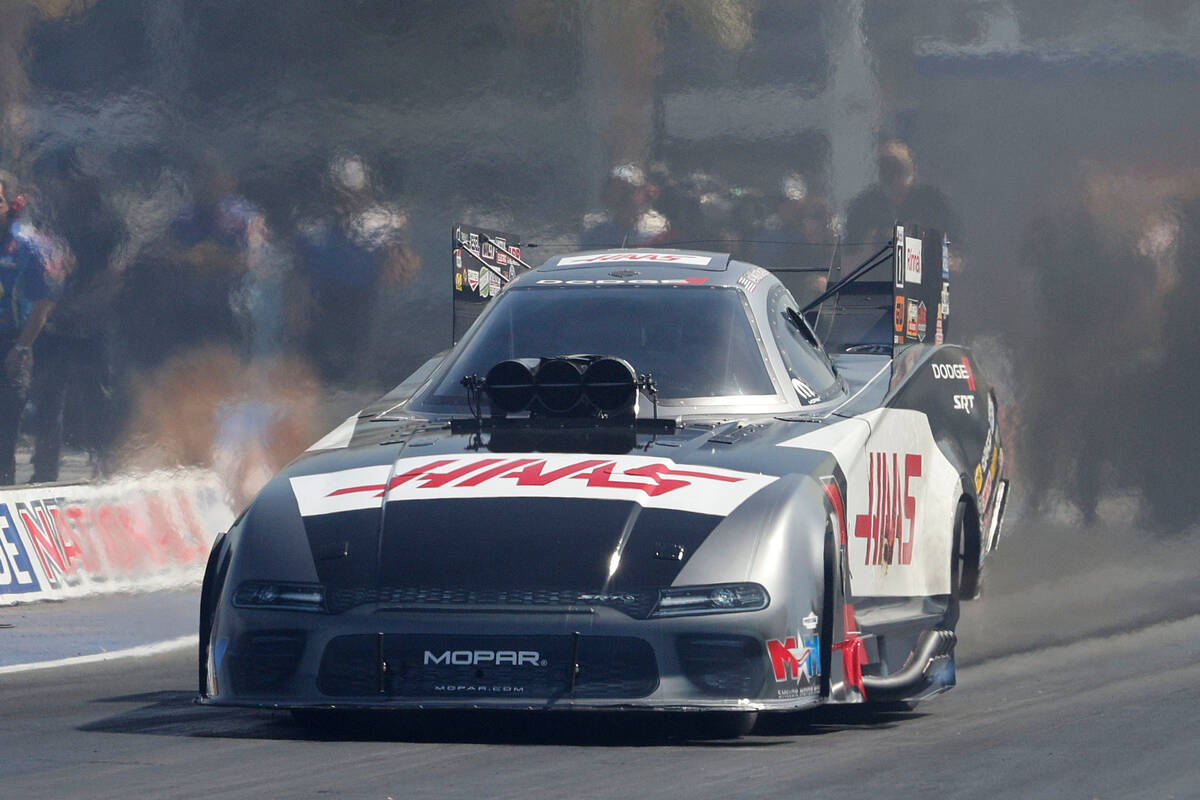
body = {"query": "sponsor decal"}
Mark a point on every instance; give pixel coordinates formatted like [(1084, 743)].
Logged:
[(489, 250), (664, 258), (750, 279), (458, 258), (650, 482), (912, 260), (473, 279), (16, 568), (960, 372), (912, 319), (989, 462), (796, 658), (458, 237), (944, 305), (623, 599), (458, 282), (990, 479), (809, 622), (898, 257), (898, 323), (501, 255), (516, 251), (988, 458), (889, 526), (964, 402), (945, 260), (494, 283), (621, 281), (807, 395), (939, 335), (474, 658), (478, 689), (473, 243), (485, 283), (921, 313)]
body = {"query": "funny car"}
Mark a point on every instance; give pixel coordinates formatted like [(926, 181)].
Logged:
[(641, 479)]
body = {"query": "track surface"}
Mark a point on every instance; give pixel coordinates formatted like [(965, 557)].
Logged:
[(1110, 710)]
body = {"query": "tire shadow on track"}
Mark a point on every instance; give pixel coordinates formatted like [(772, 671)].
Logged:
[(173, 713)]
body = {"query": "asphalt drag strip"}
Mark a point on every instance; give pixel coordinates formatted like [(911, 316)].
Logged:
[(97, 626)]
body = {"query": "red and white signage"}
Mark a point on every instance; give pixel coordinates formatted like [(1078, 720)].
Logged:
[(889, 522), (650, 482), (912, 260), (150, 532), (661, 258)]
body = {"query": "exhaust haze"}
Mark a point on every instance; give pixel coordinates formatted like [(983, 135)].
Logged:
[(257, 197)]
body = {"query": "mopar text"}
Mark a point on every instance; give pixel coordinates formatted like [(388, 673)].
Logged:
[(464, 658)]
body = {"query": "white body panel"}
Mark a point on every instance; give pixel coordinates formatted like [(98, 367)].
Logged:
[(650, 482), (901, 497)]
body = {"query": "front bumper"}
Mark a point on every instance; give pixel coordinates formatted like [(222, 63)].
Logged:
[(578, 658)]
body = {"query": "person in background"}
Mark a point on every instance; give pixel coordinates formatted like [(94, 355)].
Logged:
[(354, 247), (71, 392), (628, 219), (28, 298), (897, 197), (799, 233)]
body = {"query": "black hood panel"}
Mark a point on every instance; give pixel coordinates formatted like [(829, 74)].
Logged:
[(507, 544), (499, 543)]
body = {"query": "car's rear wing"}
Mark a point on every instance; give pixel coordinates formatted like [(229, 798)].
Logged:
[(899, 296), (483, 261)]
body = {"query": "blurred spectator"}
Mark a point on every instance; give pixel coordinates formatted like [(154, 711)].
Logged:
[(701, 210), (799, 234), (188, 288), (897, 197), (225, 217), (218, 214), (352, 249), (28, 298), (72, 350), (628, 220)]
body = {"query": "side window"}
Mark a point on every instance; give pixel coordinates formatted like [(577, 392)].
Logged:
[(811, 373)]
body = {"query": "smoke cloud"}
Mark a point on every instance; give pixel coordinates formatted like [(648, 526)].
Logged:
[(1060, 136)]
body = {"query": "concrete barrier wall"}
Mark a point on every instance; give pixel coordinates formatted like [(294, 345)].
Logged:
[(148, 532)]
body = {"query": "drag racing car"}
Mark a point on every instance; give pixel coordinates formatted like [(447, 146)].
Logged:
[(641, 479)]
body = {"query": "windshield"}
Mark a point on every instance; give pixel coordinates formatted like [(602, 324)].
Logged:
[(696, 342)]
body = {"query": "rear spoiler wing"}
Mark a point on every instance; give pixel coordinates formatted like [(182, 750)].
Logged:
[(483, 261), (899, 296)]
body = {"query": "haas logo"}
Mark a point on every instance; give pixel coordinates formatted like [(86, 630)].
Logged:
[(890, 522)]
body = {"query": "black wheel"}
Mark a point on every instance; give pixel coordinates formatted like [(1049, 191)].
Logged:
[(214, 576), (829, 602), (958, 566)]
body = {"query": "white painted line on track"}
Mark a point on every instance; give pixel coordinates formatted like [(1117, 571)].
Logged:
[(141, 651)]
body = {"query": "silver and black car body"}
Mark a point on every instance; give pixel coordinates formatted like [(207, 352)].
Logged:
[(776, 526)]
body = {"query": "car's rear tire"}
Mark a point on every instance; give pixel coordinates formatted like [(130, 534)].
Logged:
[(958, 555)]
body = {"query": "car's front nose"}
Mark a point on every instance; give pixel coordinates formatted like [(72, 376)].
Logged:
[(578, 656)]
